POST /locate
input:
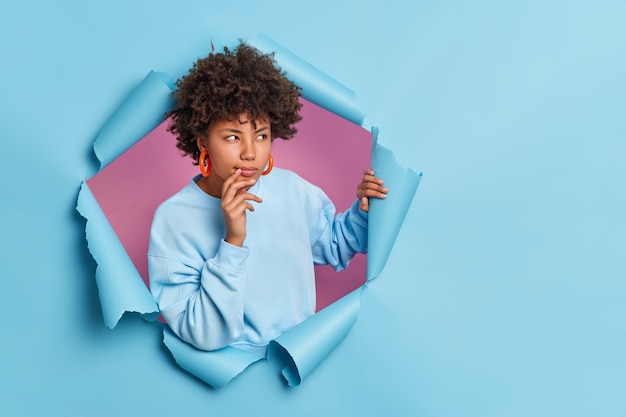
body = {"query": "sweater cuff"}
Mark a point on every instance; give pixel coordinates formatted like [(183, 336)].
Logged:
[(231, 257), (361, 215)]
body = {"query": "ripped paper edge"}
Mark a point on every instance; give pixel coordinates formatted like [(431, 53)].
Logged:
[(116, 275)]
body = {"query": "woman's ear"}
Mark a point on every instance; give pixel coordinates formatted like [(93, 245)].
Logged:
[(200, 143)]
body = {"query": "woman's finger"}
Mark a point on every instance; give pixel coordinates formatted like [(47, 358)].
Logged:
[(232, 186), (364, 204), (241, 198)]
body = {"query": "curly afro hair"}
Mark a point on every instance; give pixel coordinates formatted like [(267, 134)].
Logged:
[(225, 85)]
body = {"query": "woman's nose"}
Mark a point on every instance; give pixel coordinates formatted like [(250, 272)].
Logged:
[(247, 150)]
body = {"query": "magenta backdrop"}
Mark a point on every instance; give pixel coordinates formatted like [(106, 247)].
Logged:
[(329, 151)]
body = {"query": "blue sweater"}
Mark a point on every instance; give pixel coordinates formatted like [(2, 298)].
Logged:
[(213, 294)]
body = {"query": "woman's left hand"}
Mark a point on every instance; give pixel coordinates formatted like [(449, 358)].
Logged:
[(370, 186)]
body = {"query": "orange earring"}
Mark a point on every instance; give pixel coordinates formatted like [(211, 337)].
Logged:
[(205, 164), (270, 165)]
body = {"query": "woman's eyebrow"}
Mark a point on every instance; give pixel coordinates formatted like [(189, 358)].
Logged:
[(231, 130)]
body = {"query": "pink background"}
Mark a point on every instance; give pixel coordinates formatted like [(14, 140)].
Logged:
[(328, 151)]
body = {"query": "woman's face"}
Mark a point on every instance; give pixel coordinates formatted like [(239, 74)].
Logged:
[(233, 145)]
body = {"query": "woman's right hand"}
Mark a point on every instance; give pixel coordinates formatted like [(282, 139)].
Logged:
[(235, 201)]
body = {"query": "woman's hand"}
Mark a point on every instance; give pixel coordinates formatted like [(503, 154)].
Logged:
[(235, 201), (370, 186)]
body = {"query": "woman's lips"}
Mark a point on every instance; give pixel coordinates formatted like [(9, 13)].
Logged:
[(248, 171)]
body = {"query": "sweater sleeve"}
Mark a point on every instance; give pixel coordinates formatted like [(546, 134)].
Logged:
[(203, 306), (336, 238)]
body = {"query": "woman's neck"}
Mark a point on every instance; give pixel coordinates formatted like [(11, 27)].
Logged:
[(211, 185)]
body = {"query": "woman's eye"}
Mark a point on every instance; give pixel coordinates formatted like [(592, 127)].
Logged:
[(231, 138), (261, 137)]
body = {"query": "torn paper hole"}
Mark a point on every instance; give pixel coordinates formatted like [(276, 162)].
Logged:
[(119, 201)]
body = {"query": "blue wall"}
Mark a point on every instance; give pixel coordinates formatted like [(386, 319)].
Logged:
[(504, 293)]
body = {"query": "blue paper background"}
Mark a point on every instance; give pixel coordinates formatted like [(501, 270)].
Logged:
[(504, 292)]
